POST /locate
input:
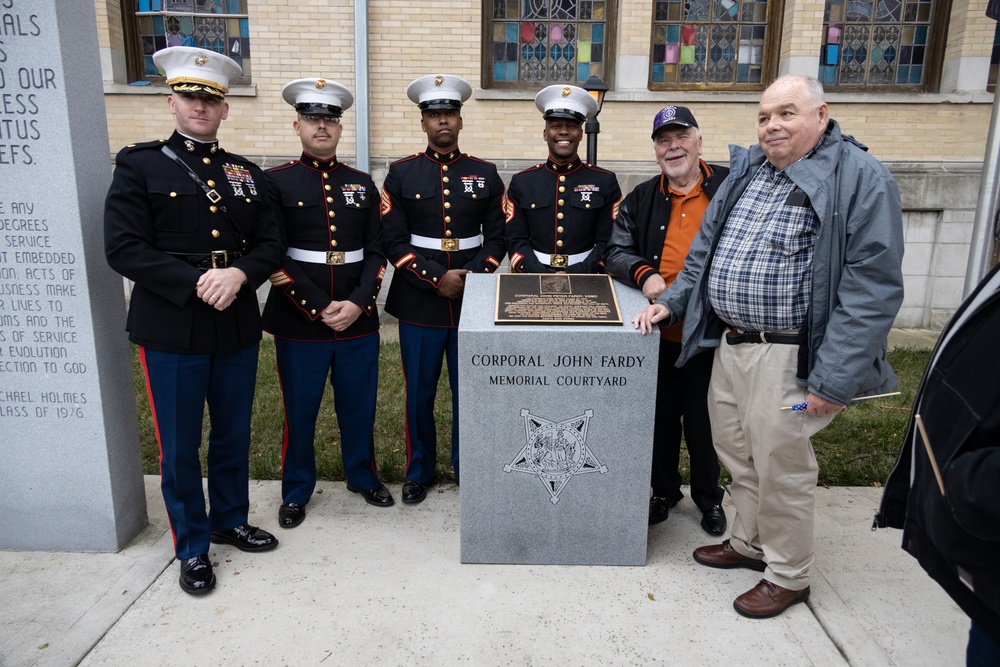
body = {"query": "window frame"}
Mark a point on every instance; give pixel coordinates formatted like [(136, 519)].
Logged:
[(611, 9), (933, 63), (773, 23), (134, 56)]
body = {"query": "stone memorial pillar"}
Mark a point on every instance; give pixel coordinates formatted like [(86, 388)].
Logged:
[(556, 425), (71, 476)]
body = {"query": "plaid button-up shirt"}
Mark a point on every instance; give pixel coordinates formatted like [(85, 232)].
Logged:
[(760, 277)]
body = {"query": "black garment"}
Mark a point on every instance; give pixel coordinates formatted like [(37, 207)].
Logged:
[(956, 537), (154, 208), (683, 392), (633, 255), (565, 209), (327, 207), (438, 196)]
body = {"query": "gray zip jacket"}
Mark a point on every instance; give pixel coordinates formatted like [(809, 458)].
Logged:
[(857, 277)]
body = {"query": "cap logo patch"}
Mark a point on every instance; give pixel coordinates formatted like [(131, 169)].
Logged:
[(566, 92), (320, 84), (669, 112), (438, 80), (200, 61)]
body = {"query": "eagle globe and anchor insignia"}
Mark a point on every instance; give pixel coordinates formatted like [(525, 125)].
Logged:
[(555, 451)]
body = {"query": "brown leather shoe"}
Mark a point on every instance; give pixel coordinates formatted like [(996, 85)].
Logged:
[(766, 600), (726, 557)]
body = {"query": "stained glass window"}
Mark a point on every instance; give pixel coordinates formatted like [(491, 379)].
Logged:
[(548, 41), (878, 43), (709, 44), (216, 25)]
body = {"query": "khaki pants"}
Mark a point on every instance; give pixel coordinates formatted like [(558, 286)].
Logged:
[(769, 453)]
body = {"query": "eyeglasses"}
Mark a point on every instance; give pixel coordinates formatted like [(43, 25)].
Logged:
[(314, 119)]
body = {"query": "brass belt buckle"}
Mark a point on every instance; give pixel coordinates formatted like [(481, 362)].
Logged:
[(335, 258), (220, 259), (449, 245), (558, 261)]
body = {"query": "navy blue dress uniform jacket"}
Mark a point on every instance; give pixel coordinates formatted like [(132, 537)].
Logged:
[(565, 209), (440, 196), (154, 208), (310, 191)]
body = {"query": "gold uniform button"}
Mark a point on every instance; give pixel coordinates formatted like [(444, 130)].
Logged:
[(445, 179), (326, 175), (447, 204), (413, 266), (213, 208), (248, 200), (303, 302), (329, 200), (447, 192), (562, 179), (444, 168), (447, 232), (173, 194), (474, 195), (292, 292), (560, 215), (300, 204), (327, 186), (532, 206), (423, 273), (334, 243), (333, 228), (562, 188), (216, 234), (560, 229), (559, 244), (206, 160), (418, 196), (211, 183), (587, 206), (313, 311), (331, 214), (447, 218), (562, 202)]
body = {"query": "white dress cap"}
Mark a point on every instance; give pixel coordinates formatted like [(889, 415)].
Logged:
[(192, 70)]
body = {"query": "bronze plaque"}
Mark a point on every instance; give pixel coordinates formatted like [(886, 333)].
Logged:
[(556, 298)]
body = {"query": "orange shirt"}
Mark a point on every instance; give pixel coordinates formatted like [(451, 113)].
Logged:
[(686, 211)]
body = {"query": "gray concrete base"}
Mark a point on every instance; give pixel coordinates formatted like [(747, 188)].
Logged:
[(356, 584)]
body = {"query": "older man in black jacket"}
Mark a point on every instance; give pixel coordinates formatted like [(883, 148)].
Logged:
[(649, 241)]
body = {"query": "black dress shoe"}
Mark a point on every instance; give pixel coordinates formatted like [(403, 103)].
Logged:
[(246, 538), (413, 492), (379, 496), (659, 510), (291, 515), (713, 521), (197, 577)]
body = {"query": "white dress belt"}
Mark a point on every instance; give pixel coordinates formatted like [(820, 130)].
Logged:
[(333, 257), (570, 259), (447, 245)]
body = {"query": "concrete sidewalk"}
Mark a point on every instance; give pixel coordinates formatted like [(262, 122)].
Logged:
[(356, 584)]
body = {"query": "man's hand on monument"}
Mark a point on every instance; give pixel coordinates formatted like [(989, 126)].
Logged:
[(219, 287), (650, 315), (653, 287), (452, 284), (340, 314)]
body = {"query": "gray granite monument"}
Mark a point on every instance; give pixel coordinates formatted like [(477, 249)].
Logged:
[(71, 477), (556, 425)]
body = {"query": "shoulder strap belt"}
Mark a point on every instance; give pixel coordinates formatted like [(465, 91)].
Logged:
[(212, 195)]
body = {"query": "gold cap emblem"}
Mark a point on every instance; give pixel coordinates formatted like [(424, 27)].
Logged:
[(566, 92), (320, 84), (438, 80), (200, 61)]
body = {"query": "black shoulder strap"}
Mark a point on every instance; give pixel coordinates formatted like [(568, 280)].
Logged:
[(212, 195)]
